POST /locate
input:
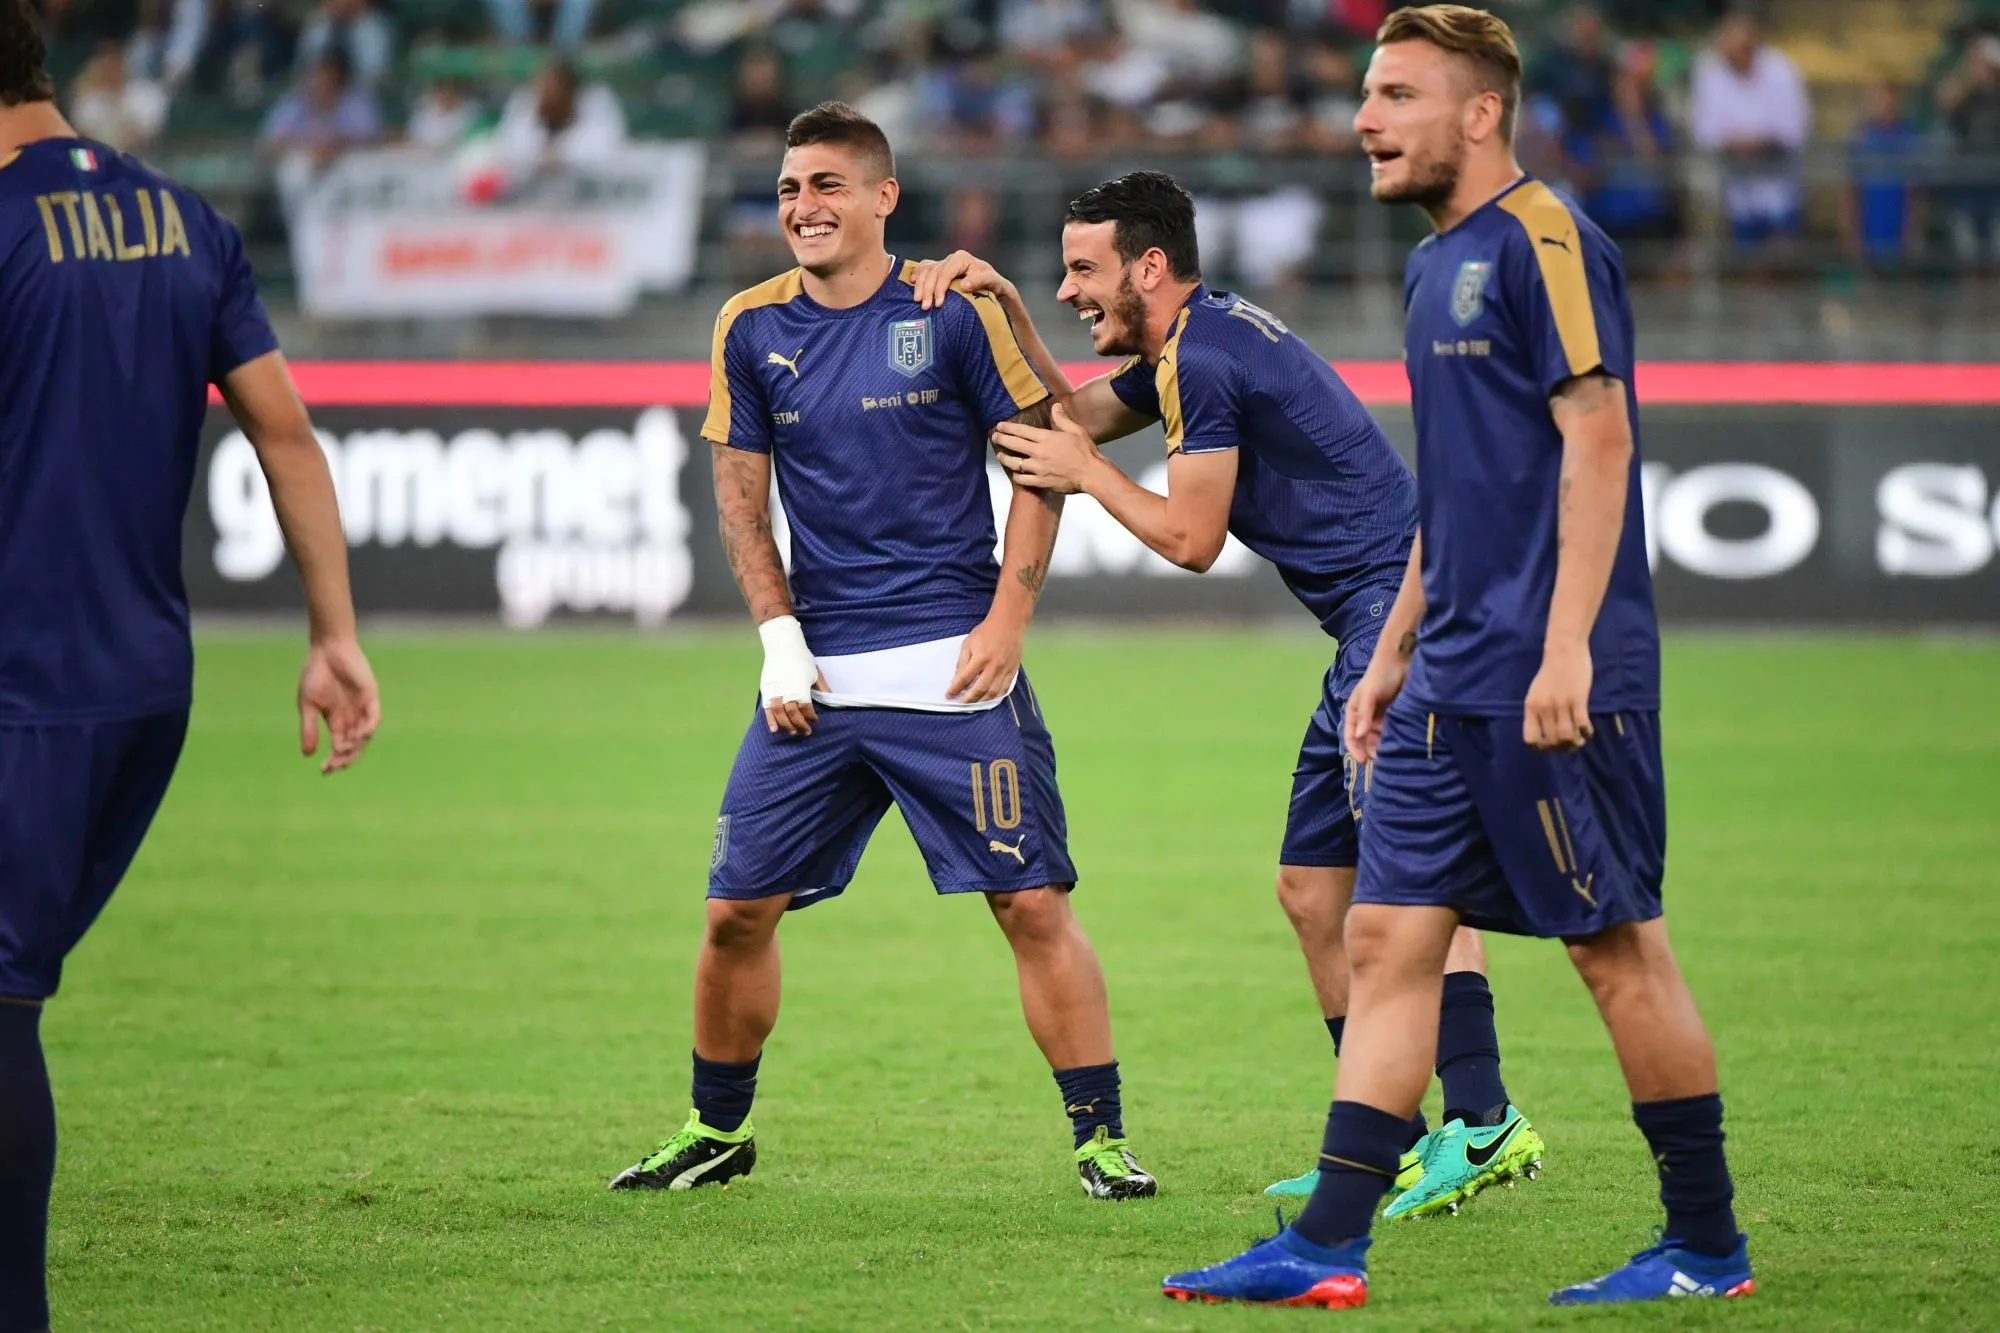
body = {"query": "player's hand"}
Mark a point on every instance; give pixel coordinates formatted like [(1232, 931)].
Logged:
[(1558, 713), (1369, 703), (338, 685), (789, 677), (1059, 460), (988, 661), (934, 278)]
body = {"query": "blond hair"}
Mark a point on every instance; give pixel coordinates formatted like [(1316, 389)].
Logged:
[(1482, 42)]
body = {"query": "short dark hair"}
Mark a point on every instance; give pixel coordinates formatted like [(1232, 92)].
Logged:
[(22, 75), (335, 60), (839, 123), (1150, 210)]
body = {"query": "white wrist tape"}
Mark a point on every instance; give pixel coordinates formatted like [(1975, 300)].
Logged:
[(789, 670)]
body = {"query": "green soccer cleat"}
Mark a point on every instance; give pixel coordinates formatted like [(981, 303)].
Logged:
[(1110, 1171), (1459, 1161), (697, 1155), (1300, 1187)]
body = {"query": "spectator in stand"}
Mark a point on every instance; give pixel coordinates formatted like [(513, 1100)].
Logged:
[(1577, 73), (1330, 103), (1969, 102), (353, 28), (817, 46), (1041, 30), (1194, 45), (1126, 76), (1882, 210), (113, 108), (1267, 235), (169, 36), (1748, 103), (563, 24), (445, 115), (760, 112), (558, 121), (318, 121), (1622, 168)]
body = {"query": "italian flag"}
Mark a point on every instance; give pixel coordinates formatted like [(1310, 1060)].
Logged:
[(85, 159)]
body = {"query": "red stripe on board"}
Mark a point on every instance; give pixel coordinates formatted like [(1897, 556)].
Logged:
[(1379, 383)]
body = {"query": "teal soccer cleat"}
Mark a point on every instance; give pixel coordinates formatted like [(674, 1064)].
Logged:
[(1459, 1161)]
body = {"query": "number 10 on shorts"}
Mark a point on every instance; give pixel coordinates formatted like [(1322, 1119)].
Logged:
[(1000, 780)]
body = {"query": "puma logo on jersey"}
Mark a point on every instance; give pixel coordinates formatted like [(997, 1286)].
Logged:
[(1557, 242), (995, 845), (790, 363)]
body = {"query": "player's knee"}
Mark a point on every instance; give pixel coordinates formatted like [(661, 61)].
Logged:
[(734, 924), (1315, 899), (1032, 917), (1608, 964)]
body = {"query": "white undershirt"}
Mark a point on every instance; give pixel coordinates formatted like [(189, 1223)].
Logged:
[(913, 676)]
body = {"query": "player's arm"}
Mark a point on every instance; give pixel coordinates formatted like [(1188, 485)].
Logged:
[(1590, 411), (1188, 525), (992, 653), (739, 434), (1390, 665), (1095, 406), (337, 683)]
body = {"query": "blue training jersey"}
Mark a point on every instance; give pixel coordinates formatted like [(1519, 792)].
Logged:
[(122, 298), (1522, 295), (1320, 491), (876, 418)]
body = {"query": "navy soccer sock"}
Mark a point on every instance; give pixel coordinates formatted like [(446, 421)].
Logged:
[(27, 1168), (1685, 1135), (723, 1091), (1358, 1160), (1337, 1028), (1468, 1058), (1090, 1095)]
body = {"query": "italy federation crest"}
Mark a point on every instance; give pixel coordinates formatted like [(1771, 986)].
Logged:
[(1469, 291), (910, 346)]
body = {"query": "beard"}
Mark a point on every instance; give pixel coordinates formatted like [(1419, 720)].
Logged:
[(1429, 184), (1126, 319)]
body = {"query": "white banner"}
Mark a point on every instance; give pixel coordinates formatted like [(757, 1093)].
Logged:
[(403, 232)]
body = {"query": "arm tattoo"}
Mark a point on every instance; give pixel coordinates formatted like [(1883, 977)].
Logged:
[(1408, 643), (743, 513), (1034, 575)]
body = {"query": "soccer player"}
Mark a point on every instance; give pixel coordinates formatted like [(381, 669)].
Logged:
[(892, 655), (1512, 716), (122, 298), (1264, 440)]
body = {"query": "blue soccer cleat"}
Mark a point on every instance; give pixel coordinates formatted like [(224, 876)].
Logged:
[(1287, 1269), (1663, 1271)]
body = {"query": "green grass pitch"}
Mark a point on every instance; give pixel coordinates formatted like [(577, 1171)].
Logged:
[(361, 1053)]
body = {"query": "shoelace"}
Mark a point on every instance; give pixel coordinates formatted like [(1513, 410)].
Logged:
[(1108, 1154)]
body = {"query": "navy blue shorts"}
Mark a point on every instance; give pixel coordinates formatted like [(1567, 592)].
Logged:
[(1463, 813), (978, 791), (1322, 823), (75, 803)]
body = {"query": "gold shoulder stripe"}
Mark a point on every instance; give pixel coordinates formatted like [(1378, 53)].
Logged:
[(785, 287), (7, 160), (1023, 385), (1559, 250), (906, 273), (1167, 381)]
